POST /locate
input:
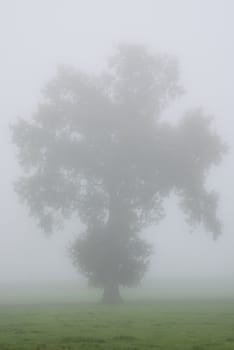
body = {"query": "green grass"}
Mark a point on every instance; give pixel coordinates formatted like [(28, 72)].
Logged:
[(159, 324)]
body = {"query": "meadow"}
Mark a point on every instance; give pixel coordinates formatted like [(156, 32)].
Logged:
[(160, 323), (165, 324)]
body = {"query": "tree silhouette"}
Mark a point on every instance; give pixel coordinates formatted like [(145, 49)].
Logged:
[(97, 147)]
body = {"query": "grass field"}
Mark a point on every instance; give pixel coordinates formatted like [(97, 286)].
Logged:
[(160, 324)]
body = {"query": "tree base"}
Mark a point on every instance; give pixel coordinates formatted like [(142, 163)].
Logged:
[(111, 295)]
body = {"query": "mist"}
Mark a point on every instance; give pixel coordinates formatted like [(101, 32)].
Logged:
[(37, 37)]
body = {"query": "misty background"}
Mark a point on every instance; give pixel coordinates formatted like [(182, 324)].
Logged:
[(36, 37)]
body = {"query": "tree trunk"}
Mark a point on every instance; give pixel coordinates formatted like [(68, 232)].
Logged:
[(111, 294)]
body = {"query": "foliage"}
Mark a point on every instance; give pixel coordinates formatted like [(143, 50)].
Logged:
[(98, 147)]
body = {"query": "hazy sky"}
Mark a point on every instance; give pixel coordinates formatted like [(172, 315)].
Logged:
[(36, 36)]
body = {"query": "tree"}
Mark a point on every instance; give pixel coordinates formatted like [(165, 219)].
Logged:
[(97, 147)]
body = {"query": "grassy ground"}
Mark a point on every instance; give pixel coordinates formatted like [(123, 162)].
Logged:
[(160, 324)]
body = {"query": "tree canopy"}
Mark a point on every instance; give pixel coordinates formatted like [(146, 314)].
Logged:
[(98, 147)]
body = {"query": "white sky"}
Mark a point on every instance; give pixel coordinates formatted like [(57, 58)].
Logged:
[(36, 36)]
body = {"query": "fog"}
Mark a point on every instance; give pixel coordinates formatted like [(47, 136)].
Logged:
[(36, 37)]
